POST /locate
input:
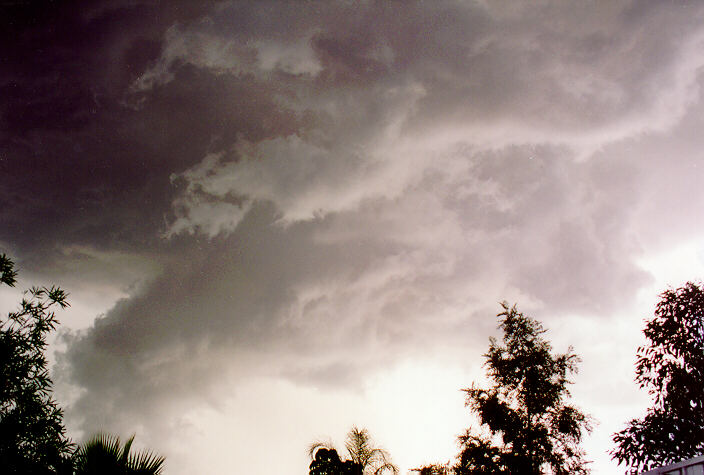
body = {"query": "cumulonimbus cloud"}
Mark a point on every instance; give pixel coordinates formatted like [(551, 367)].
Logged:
[(384, 107), (355, 181)]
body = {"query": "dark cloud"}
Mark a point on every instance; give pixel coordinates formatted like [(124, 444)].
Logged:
[(313, 188), (79, 163)]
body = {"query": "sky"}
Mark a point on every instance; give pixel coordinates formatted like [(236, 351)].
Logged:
[(277, 220)]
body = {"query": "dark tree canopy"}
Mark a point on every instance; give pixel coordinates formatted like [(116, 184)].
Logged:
[(327, 462), (32, 435), (671, 367), (528, 427), (434, 469)]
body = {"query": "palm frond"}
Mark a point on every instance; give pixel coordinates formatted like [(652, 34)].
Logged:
[(105, 455), (146, 463), (125, 455), (317, 445), (361, 450), (358, 445), (386, 467)]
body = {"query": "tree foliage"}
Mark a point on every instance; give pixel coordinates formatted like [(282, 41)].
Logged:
[(434, 469), (671, 367), (32, 435), (364, 457), (326, 461), (373, 460), (105, 455), (528, 427)]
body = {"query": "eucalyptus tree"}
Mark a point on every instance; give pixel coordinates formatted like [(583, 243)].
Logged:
[(671, 368), (526, 425)]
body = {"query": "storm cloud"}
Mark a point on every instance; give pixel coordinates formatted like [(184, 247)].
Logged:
[(298, 192)]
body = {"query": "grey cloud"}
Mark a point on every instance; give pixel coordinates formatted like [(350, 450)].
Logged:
[(385, 104), (238, 297), (328, 295), (321, 186)]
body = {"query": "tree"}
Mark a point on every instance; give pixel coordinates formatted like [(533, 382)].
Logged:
[(362, 451), (326, 461), (434, 469), (364, 457), (32, 435), (105, 455), (530, 427), (671, 367)]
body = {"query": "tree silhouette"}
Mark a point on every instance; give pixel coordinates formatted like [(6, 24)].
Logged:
[(32, 435), (326, 461), (105, 455), (434, 469), (530, 427), (671, 368), (363, 455)]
